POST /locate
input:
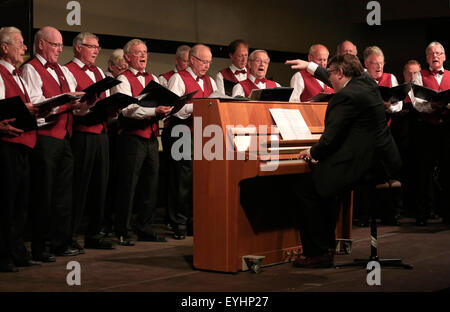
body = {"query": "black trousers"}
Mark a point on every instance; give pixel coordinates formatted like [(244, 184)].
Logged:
[(14, 194), (136, 186), (52, 180), (430, 144), (91, 169), (180, 196), (316, 218)]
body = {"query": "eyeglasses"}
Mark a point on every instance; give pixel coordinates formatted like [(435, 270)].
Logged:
[(204, 62), (54, 44), (436, 53), (19, 44), (331, 70), (376, 63), (259, 61), (139, 53), (91, 47)]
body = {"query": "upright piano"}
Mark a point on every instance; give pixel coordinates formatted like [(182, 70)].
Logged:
[(242, 170)]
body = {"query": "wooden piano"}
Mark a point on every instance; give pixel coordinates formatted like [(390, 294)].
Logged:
[(242, 209)]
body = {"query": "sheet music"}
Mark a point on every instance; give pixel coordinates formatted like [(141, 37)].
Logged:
[(291, 124)]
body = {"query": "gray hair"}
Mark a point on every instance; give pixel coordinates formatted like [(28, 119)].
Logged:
[(372, 50), (434, 44), (182, 49), (80, 38), (132, 42), (116, 55), (251, 56), (5, 33)]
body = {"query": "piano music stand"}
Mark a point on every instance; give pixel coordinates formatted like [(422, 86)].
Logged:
[(393, 263)]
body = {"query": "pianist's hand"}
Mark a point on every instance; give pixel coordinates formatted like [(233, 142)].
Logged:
[(297, 64), (305, 155), (387, 104)]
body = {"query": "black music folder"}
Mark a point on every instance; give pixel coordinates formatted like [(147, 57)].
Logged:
[(431, 95), (273, 94), (14, 107), (397, 93), (116, 101), (56, 101), (228, 86), (321, 97), (97, 88), (155, 95)]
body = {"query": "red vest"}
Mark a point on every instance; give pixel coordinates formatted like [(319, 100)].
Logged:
[(385, 80), (84, 81), (430, 82), (50, 88), (312, 87), (168, 75), (191, 85), (227, 74), (248, 85), (12, 89), (141, 128)]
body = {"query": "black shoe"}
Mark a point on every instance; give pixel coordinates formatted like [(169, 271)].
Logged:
[(151, 237), (391, 222), (68, 252), (43, 257), (8, 267), (99, 243), (75, 245), (125, 241), (179, 235), (324, 261)]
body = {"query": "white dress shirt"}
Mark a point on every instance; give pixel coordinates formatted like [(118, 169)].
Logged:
[(239, 91), (134, 110), (420, 104), (176, 85), (17, 78), (34, 80), (239, 77)]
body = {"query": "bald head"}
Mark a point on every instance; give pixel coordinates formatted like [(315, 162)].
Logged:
[(48, 43), (318, 54), (346, 47), (200, 59)]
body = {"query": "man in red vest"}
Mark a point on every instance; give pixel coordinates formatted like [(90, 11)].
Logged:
[(15, 148), (306, 85), (237, 71), (181, 63), (52, 159), (116, 64), (180, 170), (259, 63), (374, 62), (90, 147), (137, 151), (431, 140)]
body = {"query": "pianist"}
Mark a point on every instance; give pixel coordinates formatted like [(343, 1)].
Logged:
[(355, 130)]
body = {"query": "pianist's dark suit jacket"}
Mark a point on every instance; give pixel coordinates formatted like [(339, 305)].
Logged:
[(355, 136)]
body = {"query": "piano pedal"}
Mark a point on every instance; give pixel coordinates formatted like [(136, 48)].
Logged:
[(252, 263)]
